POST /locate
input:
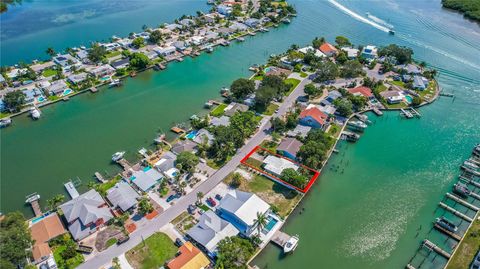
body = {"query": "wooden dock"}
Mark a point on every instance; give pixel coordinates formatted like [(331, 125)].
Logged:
[(280, 238), (377, 111), (447, 232), (177, 130), (470, 181), (72, 191), (125, 164), (33, 199), (462, 202), (455, 212), (428, 244), (99, 177)]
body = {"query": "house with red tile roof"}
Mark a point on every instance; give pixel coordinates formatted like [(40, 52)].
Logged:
[(363, 91), (328, 49), (313, 117)]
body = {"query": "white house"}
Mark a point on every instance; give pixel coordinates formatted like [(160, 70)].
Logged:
[(165, 51), (275, 165)]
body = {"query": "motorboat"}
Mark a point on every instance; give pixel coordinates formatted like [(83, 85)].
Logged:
[(115, 83), (5, 122), (35, 113), (32, 198), (391, 32), (241, 39), (446, 224), (291, 244), (117, 156), (357, 125), (461, 189), (285, 20)]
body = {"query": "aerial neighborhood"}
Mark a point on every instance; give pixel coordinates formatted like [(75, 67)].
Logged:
[(217, 194)]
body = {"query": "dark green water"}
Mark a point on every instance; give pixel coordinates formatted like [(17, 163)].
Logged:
[(365, 217)]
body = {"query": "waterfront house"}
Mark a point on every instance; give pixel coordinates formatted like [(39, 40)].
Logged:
[(224, 10), (333, 95), (225, 31), (369, 52), (165, 51), (352, 53), (237, 26), (187, 22), (328, 109), (16, 72), (65, 60), (196, 40), (102, 71), (122, 63), (328, 49), (241, 209), (210, 17), (189, 257), (146, 179), (151, 55), (57, 87), (166, 162), (252, 22), (110, 46), (300, 131), (233, 108), (313, 117), (82, 55), (30, 95), (362, 91), (204, 136), (180, 45), (85, 214), (172, 26), (122, 196), (311, 49), (410, 69), (210, 230), (392, 96), (289, 147), (184, 145), (42, 231), (420, 83), (275, 165), (77, 78), (39, 67), (220, 121)]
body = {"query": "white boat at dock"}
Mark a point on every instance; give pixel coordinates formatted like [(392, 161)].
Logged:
[(471, 165), (241, 39), (115, 83), (285, 20), (117, 156), (35, 113), (357, 125), (5, 122), (209, 49), (291, 244), (32, 198)]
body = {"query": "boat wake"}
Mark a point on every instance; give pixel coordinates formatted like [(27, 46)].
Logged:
[(379, 21), (359, 17)]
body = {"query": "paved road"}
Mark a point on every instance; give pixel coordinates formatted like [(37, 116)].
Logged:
[(168, 215)]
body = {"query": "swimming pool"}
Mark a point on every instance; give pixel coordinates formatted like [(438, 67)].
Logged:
[(270, 224), (105, 78), (409, 99), (41, 99), (192, 134), (67, 92)]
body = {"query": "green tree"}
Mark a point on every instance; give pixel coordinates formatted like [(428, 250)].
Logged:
[(242, 87), (342, 41), (236, 180), (352, 69), (50, 51), (188, 161), (260, 222), (55, 201), (344, 107), (311, 90), (416, 101), (264, 95), (14, 100), (144, 206), (244, 122), (402, 54), (326, 70), (138, 42), (342, 57), (200, 196), (358, 101), (234, 253), (156, 36), (278, 124), (15, 239), (318, 41), (276, 83), (116, 263), (97, 53), (293, 177), (139, 60)]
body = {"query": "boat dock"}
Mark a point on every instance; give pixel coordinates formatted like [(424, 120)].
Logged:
[(462, 202), (447, 232), (470, 171), (93, 89), (125, 164), (470, 181), (33, 199), (377, 111), (280, 238), (428, 244), (99, 177), (177, 130), (446, 94), (455, 212), (409, 113), (72, 191)]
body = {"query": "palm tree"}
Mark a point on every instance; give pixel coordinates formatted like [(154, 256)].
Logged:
[(199, 197), (50, 51), (55, 201), (261, 221)]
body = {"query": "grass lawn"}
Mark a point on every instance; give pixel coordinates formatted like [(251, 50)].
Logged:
[(270, 109), (113, 53), (334, 130), (467, 249), (53, 98), (399, 83), (49, 72), (282, 199), (270, 145), (381, 88), (180, 217), (152, 253), (429, 90), (218, 111), (217, 164), (303, 74), (111, 242), (399, 105), (4, 115), (258, 77), (254, 162), (70, 263), (293, 84), (102, 188), (204, 207)]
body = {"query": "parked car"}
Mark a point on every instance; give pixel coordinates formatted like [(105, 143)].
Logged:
[(218, 197), (171, 197), (122, 240), (211, 202), (192, 208), (178, 242)]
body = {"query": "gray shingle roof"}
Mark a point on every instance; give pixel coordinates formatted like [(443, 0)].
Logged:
[(123, 196), (290, 145), (86, 208), (185, 145)]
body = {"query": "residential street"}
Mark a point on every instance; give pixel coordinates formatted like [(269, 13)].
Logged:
[(168, 215)]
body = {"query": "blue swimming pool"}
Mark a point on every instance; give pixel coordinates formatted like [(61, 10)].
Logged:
[(270, 224), (192, 134), (67, 92), (41, 99), (105, 78), (409, 99)]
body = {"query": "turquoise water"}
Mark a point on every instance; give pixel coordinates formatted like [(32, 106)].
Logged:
[(365, 209)]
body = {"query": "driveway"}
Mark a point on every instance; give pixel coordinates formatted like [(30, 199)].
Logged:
[(181, 205)]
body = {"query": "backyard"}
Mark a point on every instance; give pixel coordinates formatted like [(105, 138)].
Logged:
[(152, 253), (467, 249), (282, 199), (218, 111)]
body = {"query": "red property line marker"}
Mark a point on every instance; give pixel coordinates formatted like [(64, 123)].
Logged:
[(305, 190)]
